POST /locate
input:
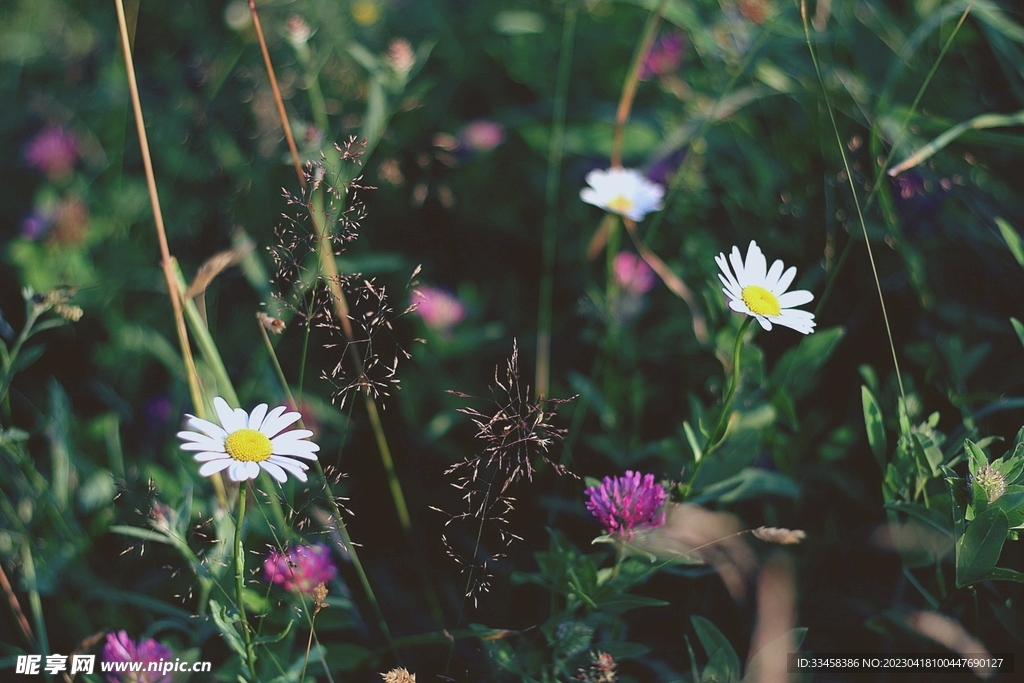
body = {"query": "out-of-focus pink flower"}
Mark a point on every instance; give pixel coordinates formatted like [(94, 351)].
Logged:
[(482, 135), (440, 309), (664, 57), (633, 274), (401, 57), (120, 648), (53, 151), (301, 568), (627, 503)]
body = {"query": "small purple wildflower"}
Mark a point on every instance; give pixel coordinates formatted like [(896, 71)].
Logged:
[(54, 151), (36, 225), (664, 57), (633, 274), (300, 568), (627, 503), (440, 309), (120, 648)]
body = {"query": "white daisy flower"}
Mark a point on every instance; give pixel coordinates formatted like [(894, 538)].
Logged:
[(243, 443), (761, 292), (624, 191)]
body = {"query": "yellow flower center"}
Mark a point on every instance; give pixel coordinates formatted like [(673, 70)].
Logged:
[(620, 204), (760, 300), (248, 445)]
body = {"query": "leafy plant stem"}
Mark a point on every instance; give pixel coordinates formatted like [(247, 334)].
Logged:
[(250, 651), (9, 358), (555, 150), (718, 434)]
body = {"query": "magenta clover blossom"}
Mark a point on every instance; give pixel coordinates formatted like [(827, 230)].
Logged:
[(300, 568), (627, 503)]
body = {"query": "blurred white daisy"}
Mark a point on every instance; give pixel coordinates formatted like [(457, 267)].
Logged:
[(245, 442), (624, 191), (760, 291)]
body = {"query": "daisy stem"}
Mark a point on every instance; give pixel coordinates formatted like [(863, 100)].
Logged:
[(721, 429), (250, 652)]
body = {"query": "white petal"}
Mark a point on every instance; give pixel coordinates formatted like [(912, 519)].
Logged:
[(765, 322), (211, 455), (590, 196), (209, 445), (211, 429), (737, 267), (731, 290), (784, 282), (273, 426), (239, 472), (596, 177), (296, 468), (756, 265), (196, 437), (286, 444), (215, 466), (228, 418), (257, 415), (772, 278), (801, 325), (726, 273), (274, 470), (740, 306), (795, 298)]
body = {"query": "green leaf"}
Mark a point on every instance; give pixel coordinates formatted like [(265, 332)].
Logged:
[(1012, 239), (1004, 574), (980, 122), (518, 22), (1019, 328), (750, 482), (617, 604), (798, 367), (977, 551), (691, 439), (875, 425), (624, 650), (225, 622), (274, 639), (725, 666), (928, 516)]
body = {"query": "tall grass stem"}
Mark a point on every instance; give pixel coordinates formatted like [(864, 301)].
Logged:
[(853, 191), (554, 173)]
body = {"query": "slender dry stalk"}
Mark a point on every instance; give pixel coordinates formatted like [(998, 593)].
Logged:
[(12, 598), (277, 92), (333, 279), (166, 260)]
